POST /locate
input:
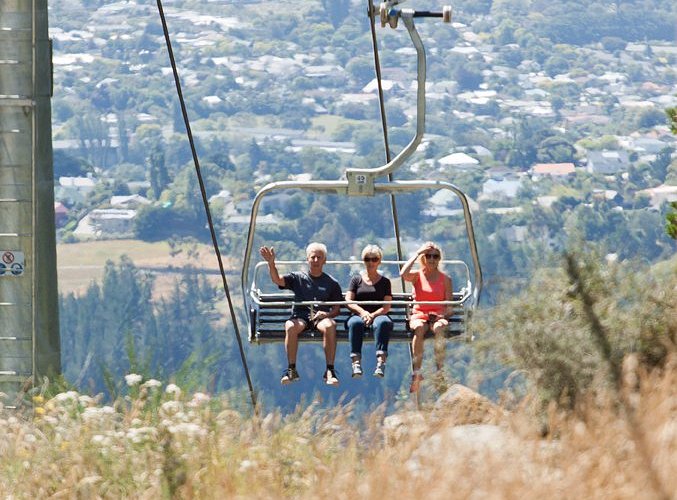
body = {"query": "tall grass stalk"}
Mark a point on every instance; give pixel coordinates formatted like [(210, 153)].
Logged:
[(601, 337)]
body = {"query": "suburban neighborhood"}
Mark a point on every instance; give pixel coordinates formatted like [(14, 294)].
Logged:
[(512, 124)]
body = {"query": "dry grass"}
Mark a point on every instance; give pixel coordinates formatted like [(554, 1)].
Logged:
[(80, 264), (161, 443)]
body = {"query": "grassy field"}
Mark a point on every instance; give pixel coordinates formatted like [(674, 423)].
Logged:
[(80, 264)]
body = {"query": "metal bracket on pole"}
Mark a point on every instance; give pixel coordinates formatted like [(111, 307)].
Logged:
[(389, 15)]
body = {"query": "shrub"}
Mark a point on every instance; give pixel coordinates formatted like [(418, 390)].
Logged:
[(545, 332)]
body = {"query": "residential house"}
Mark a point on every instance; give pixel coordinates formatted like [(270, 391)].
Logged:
[(224, 195), (660, 194), (60, 213), (542, 170), (515, 234), (106, 223), (72, 190), (609, 195), (648, 145), (129, 201), (502, 172), (241, 222), (500, 188), (386, 85), (138, 186), (445, 203), (546, 201), (607, 162), (459, 160)]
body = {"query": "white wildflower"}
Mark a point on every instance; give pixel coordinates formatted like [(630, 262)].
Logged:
[(89, 480), (173, 389), (30, 438), (86, 400), (65, 397), (188, 429), (47, 419), (170, 407), (101, 440), (91, 414), (132, 379), (199, 398), (140, 434), (247, 464), (151, 383)]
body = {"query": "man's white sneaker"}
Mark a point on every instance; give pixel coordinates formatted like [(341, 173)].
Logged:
[(290, 375), (330, 377)]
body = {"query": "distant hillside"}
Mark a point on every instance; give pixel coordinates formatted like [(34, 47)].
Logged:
[(581, 22)]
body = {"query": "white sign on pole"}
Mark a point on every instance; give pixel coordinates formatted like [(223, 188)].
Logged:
[(12, 263)]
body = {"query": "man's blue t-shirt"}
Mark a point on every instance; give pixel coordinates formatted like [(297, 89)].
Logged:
[(306, 288)]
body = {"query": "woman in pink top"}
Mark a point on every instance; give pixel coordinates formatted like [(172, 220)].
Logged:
[(430, 284)]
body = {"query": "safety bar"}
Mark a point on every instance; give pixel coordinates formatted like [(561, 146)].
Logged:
[(465, 290), (311, 303)]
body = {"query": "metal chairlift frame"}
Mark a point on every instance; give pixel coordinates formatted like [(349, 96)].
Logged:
[(362, 182)]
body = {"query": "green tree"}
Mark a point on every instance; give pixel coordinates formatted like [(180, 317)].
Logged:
[(556, 65), (672, 117), (361, 68), (650, 118), (157, 171), (613, 43), (468, 76), (555, 149), (671, 217), (659, 166), (337, 11)]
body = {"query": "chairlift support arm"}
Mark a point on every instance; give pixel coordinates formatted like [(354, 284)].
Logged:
[(361, 180)]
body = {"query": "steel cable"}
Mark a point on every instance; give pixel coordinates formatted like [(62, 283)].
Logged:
[(205, 201), (384, 125)]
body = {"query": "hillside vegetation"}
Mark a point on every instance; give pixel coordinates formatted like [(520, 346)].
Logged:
[(586, 421)]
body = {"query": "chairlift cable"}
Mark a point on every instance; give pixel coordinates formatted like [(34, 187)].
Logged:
[(205, 201), (384, 125)]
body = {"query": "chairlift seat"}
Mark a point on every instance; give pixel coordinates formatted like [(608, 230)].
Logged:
[(270, 311)]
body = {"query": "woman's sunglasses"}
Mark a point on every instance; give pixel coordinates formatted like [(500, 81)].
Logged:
[(432, 256), (372, 259)]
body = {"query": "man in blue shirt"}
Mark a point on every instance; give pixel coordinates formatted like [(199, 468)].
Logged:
[(307, 286)]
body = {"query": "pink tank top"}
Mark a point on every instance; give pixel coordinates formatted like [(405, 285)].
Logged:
[(429, 290)]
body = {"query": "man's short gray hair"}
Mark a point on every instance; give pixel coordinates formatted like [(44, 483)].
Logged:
[(315, 246)]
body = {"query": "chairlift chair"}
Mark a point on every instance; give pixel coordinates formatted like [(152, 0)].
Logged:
[(268, 310)]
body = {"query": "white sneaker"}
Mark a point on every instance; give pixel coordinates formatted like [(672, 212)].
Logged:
[(330, 377), (357, 369)]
